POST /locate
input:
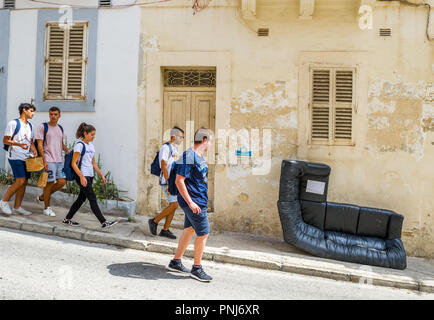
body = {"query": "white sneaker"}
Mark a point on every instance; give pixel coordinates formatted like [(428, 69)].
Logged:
[(39, 202), (4, 206), (22, 211), (49, 212)]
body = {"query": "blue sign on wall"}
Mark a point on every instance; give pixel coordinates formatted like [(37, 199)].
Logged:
[(243, 152)]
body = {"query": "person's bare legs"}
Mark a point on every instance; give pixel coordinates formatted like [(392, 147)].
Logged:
[(47, 194), (170, 209), (169, 217), (58, 185), (19, 195), (19, 183), (50, 189), (183, 243), (199, 247)]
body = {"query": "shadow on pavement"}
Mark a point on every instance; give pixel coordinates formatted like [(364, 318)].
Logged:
[(143, 270)]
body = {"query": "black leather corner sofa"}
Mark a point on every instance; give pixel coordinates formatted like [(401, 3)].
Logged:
[(333, 230)]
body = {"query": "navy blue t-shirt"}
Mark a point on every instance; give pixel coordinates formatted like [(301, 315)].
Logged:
[(193, 167)]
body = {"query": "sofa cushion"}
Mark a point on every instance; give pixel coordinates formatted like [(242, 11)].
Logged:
[(313, 213), (314, 182), (341, 217), (395, 226), (373, 222)]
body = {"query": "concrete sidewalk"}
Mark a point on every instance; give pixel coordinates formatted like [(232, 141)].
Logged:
[(222, 246)]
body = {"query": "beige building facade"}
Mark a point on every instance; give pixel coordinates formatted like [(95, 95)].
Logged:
[(325, 85)]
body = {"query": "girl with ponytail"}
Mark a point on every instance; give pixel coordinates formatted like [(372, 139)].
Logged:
[(85, 173)]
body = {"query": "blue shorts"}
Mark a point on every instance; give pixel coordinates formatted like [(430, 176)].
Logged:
[(19, 169), (199, 222)]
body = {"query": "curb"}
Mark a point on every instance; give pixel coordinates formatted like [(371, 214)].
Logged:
[(294, 265)]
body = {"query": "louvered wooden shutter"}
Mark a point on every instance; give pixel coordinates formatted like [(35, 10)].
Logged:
[(9, 4), (65, 62), (320, 104), (332, 104), (105, 3), (343, 104), (76, 62), (54, 62)]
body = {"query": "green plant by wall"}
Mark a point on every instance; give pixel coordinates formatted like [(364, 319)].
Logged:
[(108, 191), (6, 178), (34, 177)]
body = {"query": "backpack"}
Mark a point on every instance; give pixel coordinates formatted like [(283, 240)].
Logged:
[(67, 168), (155, 165), (45, 136), (17, 129), (173, 190)]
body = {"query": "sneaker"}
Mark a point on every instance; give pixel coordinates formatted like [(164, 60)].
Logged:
[(49, 212), (4, 206), (177, 266), (200, 275), (70, 223), (108, 224), (153, 226), (167, 234), (22, 211), (39, 202)]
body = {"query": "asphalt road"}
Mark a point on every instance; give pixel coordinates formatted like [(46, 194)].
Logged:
[(34, 266)]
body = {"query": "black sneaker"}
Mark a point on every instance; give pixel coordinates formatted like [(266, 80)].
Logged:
[(167, 234), (200, 275), (108, 224), (70, 223), (177, 266), (153, 226)]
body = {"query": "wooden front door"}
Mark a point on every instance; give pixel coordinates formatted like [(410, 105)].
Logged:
[(190, 110)]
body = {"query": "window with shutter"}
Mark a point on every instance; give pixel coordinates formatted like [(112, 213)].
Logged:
[(65, 62), (332, 101), (105, 3), (9, 4)]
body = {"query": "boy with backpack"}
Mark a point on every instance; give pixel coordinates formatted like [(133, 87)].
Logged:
[(49, 137), (192, 185), (18, 142), (167, 155)]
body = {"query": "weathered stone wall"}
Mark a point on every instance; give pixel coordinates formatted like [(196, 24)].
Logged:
[(390, 164)]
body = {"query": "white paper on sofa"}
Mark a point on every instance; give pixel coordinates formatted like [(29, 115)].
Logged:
[(315, 187)]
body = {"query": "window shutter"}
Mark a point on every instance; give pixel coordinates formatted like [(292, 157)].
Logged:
[(320, 104), (9, 4), (343, 104), (54, 62), (76, 62), (105, 3)]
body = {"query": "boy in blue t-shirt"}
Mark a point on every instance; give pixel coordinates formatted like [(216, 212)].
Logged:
[(192, 184)]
